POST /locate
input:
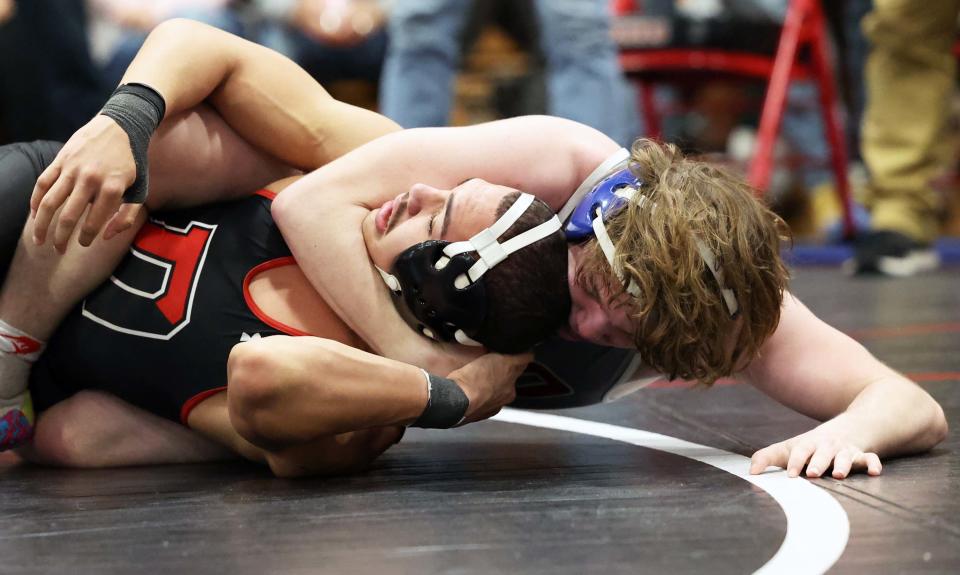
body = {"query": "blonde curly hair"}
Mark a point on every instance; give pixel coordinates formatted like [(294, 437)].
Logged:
[(683, 327)]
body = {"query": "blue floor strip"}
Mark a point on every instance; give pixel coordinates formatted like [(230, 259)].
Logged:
[(836, 254)]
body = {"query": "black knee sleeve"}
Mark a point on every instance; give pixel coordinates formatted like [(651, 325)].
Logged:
[(20, 166)]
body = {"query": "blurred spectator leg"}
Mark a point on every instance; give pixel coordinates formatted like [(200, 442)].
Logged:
[(328, 63), (422, 59), (584, 79), (910, 77), (855, 53), (51, 85), (131, 39)]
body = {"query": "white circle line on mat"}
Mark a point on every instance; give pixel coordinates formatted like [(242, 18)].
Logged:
[(817, 526)]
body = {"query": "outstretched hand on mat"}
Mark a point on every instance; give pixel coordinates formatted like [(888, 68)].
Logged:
[(93, 169), (818, 450), (490, 383)]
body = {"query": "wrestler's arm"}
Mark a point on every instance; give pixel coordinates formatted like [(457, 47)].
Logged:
[(867, 408), (266, 98), (307, 405), (293, 389), (546, 156), (196, 158), (322, 455)]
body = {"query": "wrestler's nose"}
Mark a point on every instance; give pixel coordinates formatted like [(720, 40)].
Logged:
[(423, 196)]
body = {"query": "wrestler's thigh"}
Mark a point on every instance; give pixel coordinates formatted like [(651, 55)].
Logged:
[(96, 429), (20, 166)]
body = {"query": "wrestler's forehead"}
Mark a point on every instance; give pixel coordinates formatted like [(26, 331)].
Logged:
[(474, 206)]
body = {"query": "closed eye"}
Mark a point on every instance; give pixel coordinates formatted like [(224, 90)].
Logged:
[(430, 222)]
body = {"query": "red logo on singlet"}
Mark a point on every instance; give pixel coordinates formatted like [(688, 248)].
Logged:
[(22, 345), (151, 293)]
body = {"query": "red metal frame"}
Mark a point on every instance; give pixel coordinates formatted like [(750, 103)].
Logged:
[(803, 28)]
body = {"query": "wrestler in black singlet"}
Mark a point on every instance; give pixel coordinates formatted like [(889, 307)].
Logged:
[(159, 332)]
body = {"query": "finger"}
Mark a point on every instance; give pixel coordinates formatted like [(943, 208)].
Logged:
[(72, 210), (122, 221), (48, 207), (821, 459), (43, 184), (773, 456), (799, 456), (874, 467), (104, 207), (842, 464)]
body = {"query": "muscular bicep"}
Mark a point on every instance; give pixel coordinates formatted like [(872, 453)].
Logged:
[(811, 366)]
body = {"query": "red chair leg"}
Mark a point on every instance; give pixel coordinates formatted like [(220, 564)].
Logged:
[(832, 121), (648, 103), (773, 104)]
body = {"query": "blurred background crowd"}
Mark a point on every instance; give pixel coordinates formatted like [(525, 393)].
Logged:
[(627, 67)]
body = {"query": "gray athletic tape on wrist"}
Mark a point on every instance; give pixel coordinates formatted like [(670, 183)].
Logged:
[(446, 404), (138, 110)]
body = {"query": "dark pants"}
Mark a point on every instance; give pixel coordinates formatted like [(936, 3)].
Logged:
[(49, 86)]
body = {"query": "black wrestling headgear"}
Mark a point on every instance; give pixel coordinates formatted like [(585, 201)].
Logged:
[(440, 291)]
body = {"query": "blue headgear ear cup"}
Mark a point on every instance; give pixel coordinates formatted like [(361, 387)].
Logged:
[(603, 196), (430, 302)]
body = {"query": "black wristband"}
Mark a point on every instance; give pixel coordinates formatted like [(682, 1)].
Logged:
[(446, 404), (138, 109)]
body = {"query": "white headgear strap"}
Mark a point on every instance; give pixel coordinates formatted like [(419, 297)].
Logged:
[(491, 251), (606, 244), (611, 164), (709, 258)]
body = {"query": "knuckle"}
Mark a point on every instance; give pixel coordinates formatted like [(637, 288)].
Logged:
[(112, 188), (49, 202), (88, 174), (66, 221)]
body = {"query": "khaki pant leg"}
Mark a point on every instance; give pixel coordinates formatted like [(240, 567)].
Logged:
[(909, 81)]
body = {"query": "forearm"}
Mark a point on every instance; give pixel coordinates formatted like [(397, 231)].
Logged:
[(324, 455), (286, 391), (892, 416), (269, 100), (542, 155)]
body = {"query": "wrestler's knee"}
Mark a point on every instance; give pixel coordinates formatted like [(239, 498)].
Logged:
[(64, 434)]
